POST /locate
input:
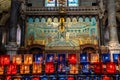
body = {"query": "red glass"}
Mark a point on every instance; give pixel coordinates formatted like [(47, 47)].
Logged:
[(111, 67), (97, 68), (8, 78), (17, 59), (94, 58), (1, 69), (5, 60), (73, 69), (106, 78), (49, 67), (70, 78), (37, 68), (119, 59), (17, 78), (11, 69), (35, 79), (72, 58), (28, 59), (24, 69)]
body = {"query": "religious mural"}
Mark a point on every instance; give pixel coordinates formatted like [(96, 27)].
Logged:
[(62, 32)]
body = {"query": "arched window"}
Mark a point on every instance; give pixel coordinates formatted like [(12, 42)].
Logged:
[(50, 3), (72, 2)]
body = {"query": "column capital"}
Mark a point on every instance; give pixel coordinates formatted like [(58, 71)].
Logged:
[(112, 25), (113, 45)]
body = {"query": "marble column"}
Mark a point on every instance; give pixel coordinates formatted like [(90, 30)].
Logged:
[(23, 31), (13, 20), (101, 32), (112, 21), (0, 36), (113, 45), (12, 45)]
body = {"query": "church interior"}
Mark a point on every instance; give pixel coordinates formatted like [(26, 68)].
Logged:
[(59, 39)]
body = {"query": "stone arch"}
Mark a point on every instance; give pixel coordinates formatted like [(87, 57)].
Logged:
[(87, 47), (36, 49)]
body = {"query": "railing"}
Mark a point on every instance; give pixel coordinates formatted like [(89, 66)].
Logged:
[(85, 9)]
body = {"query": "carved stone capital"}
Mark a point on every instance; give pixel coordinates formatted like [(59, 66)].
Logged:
[(112, 25), (12, 45), (113, 45)]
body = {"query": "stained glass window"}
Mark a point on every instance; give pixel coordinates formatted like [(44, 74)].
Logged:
[(50, 3), (72, 2)]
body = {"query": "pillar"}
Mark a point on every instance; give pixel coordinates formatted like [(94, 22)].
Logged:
[(13, 20), (12, 45), (23, 31), (113, 45), (0, 36)]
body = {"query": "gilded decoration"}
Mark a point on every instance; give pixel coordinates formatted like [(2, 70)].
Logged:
[(62, 32)]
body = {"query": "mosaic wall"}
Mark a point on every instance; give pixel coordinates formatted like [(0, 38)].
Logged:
[(75, 31)]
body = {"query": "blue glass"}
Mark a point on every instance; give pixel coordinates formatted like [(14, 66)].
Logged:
[(85, 68), (99, 78), (83, 58), (61, 68), (61, 58), (52, 78), (115, 57), (105, 57), (44, 78), (62, 78), (50, 58), (81, 78), (26, 78), (38, 58), (87, 78)]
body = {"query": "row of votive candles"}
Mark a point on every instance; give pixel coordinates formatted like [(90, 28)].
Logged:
[(66, 77), (51, 68), (60, 58)]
